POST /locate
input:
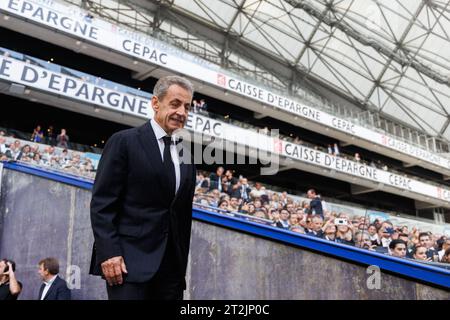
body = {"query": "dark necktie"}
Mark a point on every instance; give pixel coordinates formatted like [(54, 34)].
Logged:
[(169, 166)]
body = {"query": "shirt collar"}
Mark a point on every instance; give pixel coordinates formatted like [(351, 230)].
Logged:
[(49, 282), (159, 132)]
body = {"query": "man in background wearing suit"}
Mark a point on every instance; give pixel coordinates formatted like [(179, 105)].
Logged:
[(53, 288), (141, 207), (315, 205)]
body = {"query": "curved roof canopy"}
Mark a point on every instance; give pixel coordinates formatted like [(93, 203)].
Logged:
[(393, 55), (389, 56)]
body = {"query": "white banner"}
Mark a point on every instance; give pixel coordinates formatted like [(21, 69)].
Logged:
[(353, 168), (43, 79), (72, 20)]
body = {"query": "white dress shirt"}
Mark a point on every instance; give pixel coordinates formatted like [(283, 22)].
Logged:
[(160, 133), (48, 284)]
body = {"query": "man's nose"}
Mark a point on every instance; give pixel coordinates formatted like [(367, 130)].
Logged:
[(181, 111)]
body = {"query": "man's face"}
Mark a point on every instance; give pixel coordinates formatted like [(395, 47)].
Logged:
[(2, 140), (219, 171), (311, 195), (172, 110), (362, 241), (293, 219), (284, 215), (399, 250), (244, 181), (316, 224), (421, 253), (331, 230), (425, 241), (42, 273), (234, 202)]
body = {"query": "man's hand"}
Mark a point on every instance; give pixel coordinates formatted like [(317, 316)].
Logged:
[(10, 271), (112, 270)]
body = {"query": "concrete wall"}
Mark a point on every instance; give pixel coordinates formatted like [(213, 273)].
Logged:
[(41, 218)]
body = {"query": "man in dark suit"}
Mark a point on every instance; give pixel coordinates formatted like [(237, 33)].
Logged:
[(315, 205), (53, 288), (215, 179), (141, 207)]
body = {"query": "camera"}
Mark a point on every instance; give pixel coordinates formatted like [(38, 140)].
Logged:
[(340, 222)]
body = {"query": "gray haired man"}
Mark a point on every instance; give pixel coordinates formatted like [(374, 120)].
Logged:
[(141, 207)]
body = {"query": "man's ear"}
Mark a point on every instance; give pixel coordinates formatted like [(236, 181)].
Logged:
[(155, 103)]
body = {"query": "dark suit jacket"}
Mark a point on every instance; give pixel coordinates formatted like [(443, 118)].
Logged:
[(131, 211), (58, 290), (237, 192), (315, 206), (214, 181)]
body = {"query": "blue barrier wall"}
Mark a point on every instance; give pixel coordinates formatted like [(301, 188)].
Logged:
[(47, 214)]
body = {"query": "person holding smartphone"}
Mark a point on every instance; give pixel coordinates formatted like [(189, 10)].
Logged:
[(10, 288)]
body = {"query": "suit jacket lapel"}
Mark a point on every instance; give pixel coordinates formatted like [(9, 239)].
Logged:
[(41, 290), (183, 177), (148, 142), (52, 288)]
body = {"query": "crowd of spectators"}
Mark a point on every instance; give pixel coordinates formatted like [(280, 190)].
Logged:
[(230, 194), (222, 192), (48, 156)]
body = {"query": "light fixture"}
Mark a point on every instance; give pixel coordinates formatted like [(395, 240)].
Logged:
[(6, 17), (96, 110), (135, 62)]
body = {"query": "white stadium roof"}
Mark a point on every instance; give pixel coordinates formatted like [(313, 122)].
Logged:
[(387, 56)]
